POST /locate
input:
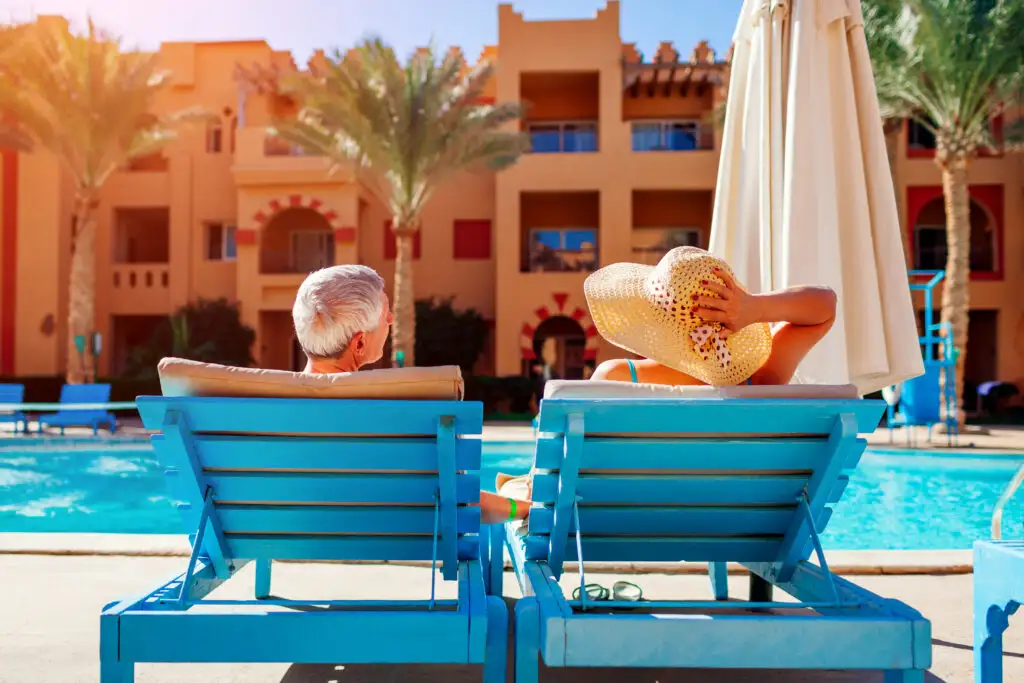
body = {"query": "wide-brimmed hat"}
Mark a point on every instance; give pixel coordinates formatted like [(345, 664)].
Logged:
[(647, 310)]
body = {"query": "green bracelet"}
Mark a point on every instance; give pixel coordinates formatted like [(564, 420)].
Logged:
[(512, 510)]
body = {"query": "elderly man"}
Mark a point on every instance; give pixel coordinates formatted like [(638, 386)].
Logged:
[(342, 319)]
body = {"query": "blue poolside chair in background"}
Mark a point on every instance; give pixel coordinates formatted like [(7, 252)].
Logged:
[(315, 479), (13, 393), (634, 473), (75, 417), (998, 590)]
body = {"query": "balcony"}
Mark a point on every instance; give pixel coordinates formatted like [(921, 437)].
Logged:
[(144, 181), (559, 232), (262, 159), (140, 289)]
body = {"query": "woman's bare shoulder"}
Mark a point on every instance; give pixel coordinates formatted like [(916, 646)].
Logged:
[(616, 370)]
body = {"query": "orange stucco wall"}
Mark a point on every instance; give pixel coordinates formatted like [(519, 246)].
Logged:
[(584, 73)]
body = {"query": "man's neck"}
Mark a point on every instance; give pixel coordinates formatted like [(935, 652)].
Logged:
[(331, 366)]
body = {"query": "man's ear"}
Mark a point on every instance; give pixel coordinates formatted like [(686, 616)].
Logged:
[(358, 343)]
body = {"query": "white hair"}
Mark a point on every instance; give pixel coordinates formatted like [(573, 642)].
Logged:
[(333, 305)]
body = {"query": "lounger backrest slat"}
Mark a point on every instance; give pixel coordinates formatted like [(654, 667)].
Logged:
[(327, 479), (690, 479), (84, 393), (11, 393)]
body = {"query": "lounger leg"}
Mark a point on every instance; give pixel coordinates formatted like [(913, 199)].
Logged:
[(989, 623), (262, 579), (760, 590), (496, 567), (717, 572), (904, 676), (527, 641), (496, 654), (112, 668)]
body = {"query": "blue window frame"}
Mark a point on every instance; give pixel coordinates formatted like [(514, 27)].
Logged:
[(562, 250), (662, 136), (563, 136)]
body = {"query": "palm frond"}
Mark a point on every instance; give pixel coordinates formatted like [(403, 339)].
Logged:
[(404, 128), (85, 99), (951, 65)]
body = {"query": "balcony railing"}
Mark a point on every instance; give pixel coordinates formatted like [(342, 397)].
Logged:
[(285, 262), (548, 260), (136, 276), (276, 147), (563, 137), (671, 136)]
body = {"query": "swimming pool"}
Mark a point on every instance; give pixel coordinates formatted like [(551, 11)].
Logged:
[(895, 501)]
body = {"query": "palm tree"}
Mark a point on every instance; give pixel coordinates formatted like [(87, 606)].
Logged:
[(89, 103), (950, 65), (405, 129)]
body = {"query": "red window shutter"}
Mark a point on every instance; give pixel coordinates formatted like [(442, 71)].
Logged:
[(391, 246), (472, 239)]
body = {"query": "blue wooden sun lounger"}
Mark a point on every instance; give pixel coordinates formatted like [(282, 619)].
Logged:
[(13, 393), (81, 393), (315, 479), (998, 590), (715, 480)]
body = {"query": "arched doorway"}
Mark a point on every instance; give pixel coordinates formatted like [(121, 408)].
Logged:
[(559, 345), (929, 237), (296, 240)]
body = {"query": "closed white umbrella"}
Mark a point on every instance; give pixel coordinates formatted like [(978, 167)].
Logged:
[(804, 191)]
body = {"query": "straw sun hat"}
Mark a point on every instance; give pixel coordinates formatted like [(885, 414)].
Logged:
[(646, 310)]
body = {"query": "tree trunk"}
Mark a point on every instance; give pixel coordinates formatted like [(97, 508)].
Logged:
[(82, 292), (956, 289), (891, 128), (403, 331)]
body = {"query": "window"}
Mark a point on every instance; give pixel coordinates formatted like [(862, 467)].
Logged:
[(214, 138), (930, 248), (650, 244), (233, 134), (220, 242), (562, 250), (919, 137), (564, 136), (675, 136), (391, 246), (472, 240)]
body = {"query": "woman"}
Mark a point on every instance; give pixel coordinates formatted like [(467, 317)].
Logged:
[(692, 323)]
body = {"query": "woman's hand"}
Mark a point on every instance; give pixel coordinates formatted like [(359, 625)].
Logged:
[(734, 307)]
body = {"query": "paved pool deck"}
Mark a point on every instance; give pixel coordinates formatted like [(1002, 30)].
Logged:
[(49, 623)]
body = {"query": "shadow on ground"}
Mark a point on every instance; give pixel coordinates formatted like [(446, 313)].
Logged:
[(419, 673)]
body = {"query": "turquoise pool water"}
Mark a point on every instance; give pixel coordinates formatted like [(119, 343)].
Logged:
[(894, 501)]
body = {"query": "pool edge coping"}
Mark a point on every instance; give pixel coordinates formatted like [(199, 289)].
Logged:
[(846, 562)]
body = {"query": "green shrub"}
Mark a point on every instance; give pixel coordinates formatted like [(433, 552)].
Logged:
[(445, 336)]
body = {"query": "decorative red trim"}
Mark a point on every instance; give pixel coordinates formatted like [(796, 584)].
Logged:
[(542, 313), (527, 354), (345, 235), (485, 100), (245, 236), (578, 314), (315, 204), (295, 200), (9, 255), (527, 330), (591, 331), (260, 217), (275, 206), (560, 299), (989, 196), (329, 215), (589, 354)]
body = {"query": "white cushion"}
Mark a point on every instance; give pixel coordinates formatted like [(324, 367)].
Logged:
[(611, 389), (180, 377)]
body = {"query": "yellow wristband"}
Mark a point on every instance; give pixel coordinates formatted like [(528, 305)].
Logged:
[(512, 509)]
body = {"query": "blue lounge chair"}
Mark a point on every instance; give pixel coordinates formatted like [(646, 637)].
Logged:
[(716, 480), (315, 479), (13, 393), (81, 393), (998, 591)]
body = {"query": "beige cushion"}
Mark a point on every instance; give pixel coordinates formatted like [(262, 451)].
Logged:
[(179, 377), (612, 389)]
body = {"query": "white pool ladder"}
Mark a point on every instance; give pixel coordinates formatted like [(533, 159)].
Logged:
[(997, 513)]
